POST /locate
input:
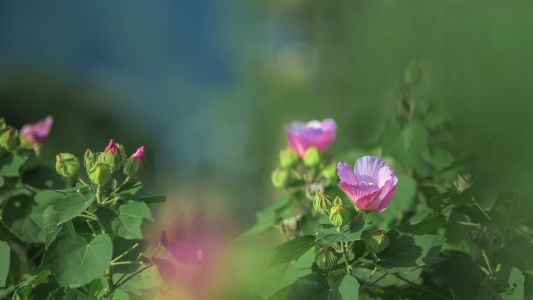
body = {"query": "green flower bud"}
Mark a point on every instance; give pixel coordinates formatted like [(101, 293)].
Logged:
[(321, 203), (67, 165), (3, 124), (287, 157), (326, 258), (311, 157), (339, 215), (376, 240), (89, 159), (9, 139), (100, 173), (120, 156), (280, 178), (107, 158)]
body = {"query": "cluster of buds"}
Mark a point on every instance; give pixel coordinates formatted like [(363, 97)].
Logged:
[(31, 136), (101, 166), (303, 160), (339, 214)]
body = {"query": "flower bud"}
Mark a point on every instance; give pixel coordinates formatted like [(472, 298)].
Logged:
[(9, 139), (339, 215), (311, 157), (135, 163), (120, 157), (326, 258), (67, 165), (280, 178), (321, 203), (376, 240), (100, 173), (89, 159), (287, 157), (3, 124)]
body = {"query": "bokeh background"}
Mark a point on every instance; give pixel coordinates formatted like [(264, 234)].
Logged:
[(206, 85)]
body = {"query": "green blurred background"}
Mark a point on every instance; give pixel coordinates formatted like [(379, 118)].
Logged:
[(206, 85)]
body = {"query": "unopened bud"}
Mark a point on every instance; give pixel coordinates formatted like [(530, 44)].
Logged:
[(100, 173), (339, 215), (135, 163), (89, 159), (67, 165), (321, 203), (326, 258), (287, 157), (280, 178), (9, 139), (376, 240), (311, 157)]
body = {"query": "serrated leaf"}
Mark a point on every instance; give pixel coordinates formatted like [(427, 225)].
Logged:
[(5, 259), (292, 249), (76, 262)]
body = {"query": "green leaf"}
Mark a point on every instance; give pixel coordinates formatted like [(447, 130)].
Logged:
[(268, 218), (316, 287), (23, 215), (402, 202), (5, 259), (292, 249), (1, 181), (310, 287), (71, 206), (10, 164), (348, 288), (50, 225), (75, 262), (127, 221), (407, 253), (515, 285)]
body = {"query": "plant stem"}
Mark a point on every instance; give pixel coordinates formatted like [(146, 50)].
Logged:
[(125, 252), (423, 288), (98, 194), (487, 262)]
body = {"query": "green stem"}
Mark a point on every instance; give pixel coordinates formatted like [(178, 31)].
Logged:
[(125, 253), (423, 288)]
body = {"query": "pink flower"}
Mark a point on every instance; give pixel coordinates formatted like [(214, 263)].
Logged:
[(37, 133), (371, 185), (303, 136), (111, 147), (139, 154)]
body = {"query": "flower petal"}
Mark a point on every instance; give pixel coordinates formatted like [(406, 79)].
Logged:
[(362, 195), (368, 166), (387, 193), (345, 173)]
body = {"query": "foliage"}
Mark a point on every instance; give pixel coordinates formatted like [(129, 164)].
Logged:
[(449, 233), (77, 236)]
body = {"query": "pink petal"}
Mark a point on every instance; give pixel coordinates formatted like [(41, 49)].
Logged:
[(346, 174)]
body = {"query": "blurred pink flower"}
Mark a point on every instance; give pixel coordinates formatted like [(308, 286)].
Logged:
[(371, 185), (37, 132), (303, 136)]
